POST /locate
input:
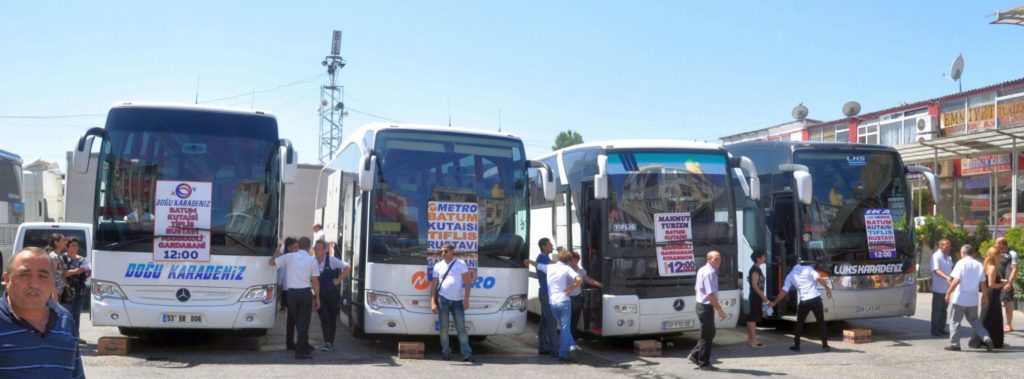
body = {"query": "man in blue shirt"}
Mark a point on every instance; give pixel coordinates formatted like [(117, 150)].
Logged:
[(548, 339), (38, 339)]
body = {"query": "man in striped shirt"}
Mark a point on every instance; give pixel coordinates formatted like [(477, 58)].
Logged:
[(36, 338)]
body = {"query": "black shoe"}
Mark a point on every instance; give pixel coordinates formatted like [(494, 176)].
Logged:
[(951, 348), (988, 345), (289, 347), (707, 367), (826, 347), (693, 360), (795, 348), (304, 356), (469, 359), (446, 357)]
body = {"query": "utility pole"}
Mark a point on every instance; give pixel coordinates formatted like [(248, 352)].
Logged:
[(332, 105)]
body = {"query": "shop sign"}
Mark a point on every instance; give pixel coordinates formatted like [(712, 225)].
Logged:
[(1011, 113), (953, 120), (985, 163), (980, 118)]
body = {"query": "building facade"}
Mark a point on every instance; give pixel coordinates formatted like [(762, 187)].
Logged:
[(969, 139)]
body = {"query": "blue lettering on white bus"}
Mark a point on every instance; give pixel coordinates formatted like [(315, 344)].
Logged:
[(185, 272), (486, 282)]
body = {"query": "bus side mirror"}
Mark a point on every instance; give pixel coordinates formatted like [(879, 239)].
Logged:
[(933, 185), (368, 172), (547, 184), (755, 183), (601, 179), (804, 186), (80, 157), (289, 162)]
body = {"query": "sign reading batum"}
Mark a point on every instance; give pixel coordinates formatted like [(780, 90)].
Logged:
[(455, 223), (879, 230), (674, 260), (183, 220)]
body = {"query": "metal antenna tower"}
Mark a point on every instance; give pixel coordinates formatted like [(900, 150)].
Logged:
[(332, 103)]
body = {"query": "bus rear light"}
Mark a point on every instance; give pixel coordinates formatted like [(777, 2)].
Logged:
[(515, 303), (377, 300), (264, 293), (107, 290)]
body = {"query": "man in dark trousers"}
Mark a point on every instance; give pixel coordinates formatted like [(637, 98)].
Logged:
[(546, 334), (301, 278), (706, 289), (330, 268), (806, 281)]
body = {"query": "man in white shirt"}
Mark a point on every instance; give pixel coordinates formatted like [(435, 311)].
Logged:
[(330, 268), (302, 280), (1008, 267), (942, 266), (806, 281), (706, 289), (562, 281), (449, 294), (968, 278), (318, 233)]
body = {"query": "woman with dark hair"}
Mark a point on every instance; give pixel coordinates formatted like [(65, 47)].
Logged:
[(757, 297), (75, 282), (56, 245)]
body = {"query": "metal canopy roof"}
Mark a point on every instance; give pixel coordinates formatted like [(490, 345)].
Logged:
[(1013, 16), (992, 141)]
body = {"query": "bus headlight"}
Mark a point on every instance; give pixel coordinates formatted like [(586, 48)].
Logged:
[(727, 302), (625, 308), (264, 293), (107, 290), (515, 303), (377, 300)]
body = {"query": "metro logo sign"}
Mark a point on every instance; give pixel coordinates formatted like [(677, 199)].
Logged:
[(419, 280)]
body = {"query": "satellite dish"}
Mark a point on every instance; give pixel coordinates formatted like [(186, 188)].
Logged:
[(851, 108), (800, 112), (958, 68)]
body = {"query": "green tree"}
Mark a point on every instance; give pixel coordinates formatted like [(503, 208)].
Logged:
[(566, 139)]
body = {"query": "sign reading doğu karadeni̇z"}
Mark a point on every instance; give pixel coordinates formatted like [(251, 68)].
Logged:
[(182, 219)]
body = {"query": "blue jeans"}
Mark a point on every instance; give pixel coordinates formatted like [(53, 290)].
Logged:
[(455, 307), (563, 311), (75, 308), (548, 323)]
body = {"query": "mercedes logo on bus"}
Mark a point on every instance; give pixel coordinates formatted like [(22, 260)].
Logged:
[(183, 295), (678, 305)]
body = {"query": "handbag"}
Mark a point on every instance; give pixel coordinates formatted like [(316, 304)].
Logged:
[(68, 295)]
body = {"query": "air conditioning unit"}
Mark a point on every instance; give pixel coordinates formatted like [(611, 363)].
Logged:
[(926, 129)]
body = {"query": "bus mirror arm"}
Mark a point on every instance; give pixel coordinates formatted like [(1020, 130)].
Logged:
[(601, 179), (83, 150), (755, 183), (289, 161), (368, 173), (802, 177), (547, 179), (933, 185)]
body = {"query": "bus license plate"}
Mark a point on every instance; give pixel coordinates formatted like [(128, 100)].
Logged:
[(451, 325), (681, 324), (182, 318)]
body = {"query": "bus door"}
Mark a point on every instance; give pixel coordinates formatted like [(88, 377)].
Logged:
[(595, 216), (784, 237)]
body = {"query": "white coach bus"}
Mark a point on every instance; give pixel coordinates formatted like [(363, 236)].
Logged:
[(396, 193), (643, 214), (186, 212)]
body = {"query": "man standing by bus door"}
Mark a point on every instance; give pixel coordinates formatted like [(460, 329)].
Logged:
[(806, 281), (546, 336), (942, 266), (303, 284), (451, 276), (706, 288), (330, 268)]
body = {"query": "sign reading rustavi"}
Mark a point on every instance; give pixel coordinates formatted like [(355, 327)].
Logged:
[(674, 260), (182, 219), (455, 223), (879, 230)]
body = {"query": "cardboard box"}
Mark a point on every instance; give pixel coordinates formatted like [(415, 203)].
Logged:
[(857, 335), (410, 350), (113, 345), (647, 348)]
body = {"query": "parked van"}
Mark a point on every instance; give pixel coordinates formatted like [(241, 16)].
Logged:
[(38, 234)]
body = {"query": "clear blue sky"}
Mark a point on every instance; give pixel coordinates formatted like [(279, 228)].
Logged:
[(661, 69)]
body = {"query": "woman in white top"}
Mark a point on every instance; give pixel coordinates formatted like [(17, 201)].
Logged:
[(562, 281)]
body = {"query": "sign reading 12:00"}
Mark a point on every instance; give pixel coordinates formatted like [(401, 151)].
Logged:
[(182, 219)]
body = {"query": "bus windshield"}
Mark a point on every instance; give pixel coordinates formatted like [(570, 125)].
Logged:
[(457, 188), (235, 153), (859, 207), (645, 184)]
